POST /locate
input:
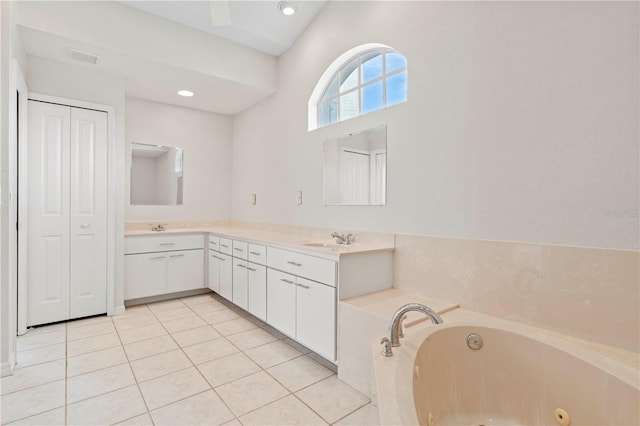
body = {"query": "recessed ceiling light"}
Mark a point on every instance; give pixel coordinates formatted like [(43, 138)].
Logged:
[(185, 93), (286, 8)]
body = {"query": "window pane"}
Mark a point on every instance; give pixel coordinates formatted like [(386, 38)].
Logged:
[(332, 89), (371, 66), (349, 76), (328, 113), (395, 61), (397, 88), (372, 97), (349, 105)]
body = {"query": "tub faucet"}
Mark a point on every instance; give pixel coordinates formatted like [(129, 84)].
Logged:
[(342, 239), (395, 328)]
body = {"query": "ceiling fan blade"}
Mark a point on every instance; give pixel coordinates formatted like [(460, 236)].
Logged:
[(220, 14)]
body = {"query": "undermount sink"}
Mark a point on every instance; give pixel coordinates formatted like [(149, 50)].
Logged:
[(319, 244)]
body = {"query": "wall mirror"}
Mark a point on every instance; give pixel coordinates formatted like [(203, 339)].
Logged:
[(156, 175), (355, 168)]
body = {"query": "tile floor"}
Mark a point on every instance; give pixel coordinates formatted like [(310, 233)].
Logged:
[(196, 360)]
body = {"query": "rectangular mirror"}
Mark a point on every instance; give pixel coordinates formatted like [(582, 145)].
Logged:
[(156, 175), (355, 169)]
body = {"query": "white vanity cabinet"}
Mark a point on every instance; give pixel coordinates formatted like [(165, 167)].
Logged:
[(249, 278), (298, 303), (162, 264), (220, 266)]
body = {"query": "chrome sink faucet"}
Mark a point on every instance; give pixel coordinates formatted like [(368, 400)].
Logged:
[(159, 227), (342, 239), (395, 328)]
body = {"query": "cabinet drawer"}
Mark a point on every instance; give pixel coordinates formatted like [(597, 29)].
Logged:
[(302, 265), (257, 254), (240, 249), (155, 243), (226, 245), (214, 242)]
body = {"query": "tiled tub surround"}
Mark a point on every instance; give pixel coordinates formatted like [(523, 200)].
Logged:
[(196, 360), (434, 374)]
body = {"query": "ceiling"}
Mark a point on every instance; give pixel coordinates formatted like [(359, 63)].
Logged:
[(162, 46), (256, 24)]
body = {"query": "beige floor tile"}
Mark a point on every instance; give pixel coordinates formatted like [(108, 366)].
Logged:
[(36, 375), (297, 346), (154, 346), (275, 332), (176, 313), (96, 329), (83, 322), (228, 369), (141, 333), (234, 422), (32, 341), (332, 398), (41, 355), (195, 335), (205, 408), (165, 305), (159, 365), (141, 420), (234, 326), (92, 344), (53, 417), (197, 300), (208, 307), (322, 361), (210, 350), (222, 315), (251, 392), (299, 373), (98, 382), (181, 324), (173, 387), (367, 415), (29, 402), (134, 310), (128, 322), (251, 338), (97, 360), (285, 411), (108, 408), (273, 353)]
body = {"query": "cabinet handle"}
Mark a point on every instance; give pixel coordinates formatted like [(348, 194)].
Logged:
[(240, 265), (156, 257), (167, 244), (223, 245), (286, 281), (176, 255), (251, 269), (255, 253), (302, 285), (291, 262), (237, 249)]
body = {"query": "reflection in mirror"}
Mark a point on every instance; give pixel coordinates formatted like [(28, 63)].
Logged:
[(355, 168), (156, 175)]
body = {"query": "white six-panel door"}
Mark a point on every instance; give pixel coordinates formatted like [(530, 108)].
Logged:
[(67, 207)]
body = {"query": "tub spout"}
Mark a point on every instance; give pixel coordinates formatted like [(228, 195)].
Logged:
[(396, 323)]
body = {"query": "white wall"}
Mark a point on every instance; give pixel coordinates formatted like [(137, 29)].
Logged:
[(521, 123), (206, 139)]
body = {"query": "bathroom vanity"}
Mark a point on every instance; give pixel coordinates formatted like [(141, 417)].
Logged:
[(290, 283)]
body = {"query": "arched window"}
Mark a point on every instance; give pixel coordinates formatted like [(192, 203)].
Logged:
[(364, 79)]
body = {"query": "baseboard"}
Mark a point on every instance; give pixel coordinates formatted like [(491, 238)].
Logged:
[(162, 297), (6, 369), (119, 310)]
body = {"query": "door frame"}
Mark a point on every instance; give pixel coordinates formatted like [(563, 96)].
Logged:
[(112, 201)]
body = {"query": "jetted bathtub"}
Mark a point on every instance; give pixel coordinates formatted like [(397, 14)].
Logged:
[(520, 376)]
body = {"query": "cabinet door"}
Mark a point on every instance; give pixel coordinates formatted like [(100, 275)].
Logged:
[(214, 271), (144, 275), (281, 301), (185, 270), (257, 286), (315, 317), (240, 282), (226, 284)]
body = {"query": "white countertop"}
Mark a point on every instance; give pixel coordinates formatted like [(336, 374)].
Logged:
[(329, 248)]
